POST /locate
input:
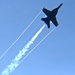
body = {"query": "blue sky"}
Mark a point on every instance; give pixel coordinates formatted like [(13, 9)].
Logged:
[(56, 54)]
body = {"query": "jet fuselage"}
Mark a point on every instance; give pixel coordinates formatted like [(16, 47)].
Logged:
[(51, 16)]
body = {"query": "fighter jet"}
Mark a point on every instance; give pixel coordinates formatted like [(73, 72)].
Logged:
[(51, 16)]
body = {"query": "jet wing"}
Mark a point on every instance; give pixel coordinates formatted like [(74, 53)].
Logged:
[(54, 21), (46, 11)]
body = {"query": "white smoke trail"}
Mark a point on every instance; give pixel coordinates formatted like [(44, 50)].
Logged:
[(37, 45), (20, 35), (15, 62)]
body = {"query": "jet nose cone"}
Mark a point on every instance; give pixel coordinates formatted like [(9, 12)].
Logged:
[(60, 5)]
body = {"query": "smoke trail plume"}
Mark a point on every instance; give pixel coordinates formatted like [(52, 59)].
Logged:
[(37, 45), (15, 62)]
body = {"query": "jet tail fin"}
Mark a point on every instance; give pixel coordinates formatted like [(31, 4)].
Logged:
[(54, 21), (46, 21)]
